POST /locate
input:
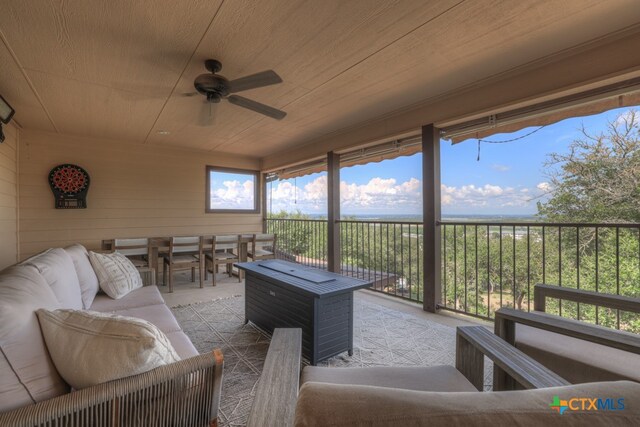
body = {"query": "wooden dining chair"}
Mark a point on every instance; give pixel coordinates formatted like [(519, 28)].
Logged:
[(138, 251), (184, 253), (222, 250), (263, 246)]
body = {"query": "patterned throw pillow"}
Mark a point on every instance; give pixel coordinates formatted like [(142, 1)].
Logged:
[(116, 274), (90, 348)]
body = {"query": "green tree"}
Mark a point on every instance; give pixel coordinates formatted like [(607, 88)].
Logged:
[(598, 180), (294, 237)]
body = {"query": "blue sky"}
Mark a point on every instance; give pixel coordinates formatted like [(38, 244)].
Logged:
[(508, 179)]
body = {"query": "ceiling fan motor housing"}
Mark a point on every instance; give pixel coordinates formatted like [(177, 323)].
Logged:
[(213, 86)]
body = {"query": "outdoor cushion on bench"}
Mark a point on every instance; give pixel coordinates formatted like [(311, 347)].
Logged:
[(576, 360), (434, 378), (323, 404)]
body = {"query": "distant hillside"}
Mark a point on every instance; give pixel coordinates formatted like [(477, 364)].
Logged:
[(418, 218)]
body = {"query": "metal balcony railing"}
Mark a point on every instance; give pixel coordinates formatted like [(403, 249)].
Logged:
[(485, 265), (301, 240), (387, 253)]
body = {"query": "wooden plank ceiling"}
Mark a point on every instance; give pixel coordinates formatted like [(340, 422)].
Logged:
[(118, 69)]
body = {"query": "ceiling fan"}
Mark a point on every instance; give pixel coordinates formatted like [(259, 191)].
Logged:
[(216, 88)]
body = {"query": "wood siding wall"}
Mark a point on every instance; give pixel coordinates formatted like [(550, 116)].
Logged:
[(9, 197), (136, 191)]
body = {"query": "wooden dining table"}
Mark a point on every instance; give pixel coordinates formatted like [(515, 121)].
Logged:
[(160, 245)]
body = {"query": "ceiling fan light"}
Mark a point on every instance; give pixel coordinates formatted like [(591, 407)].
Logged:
[(211, 83)]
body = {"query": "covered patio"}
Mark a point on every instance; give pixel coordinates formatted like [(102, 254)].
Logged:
[(144, 122)]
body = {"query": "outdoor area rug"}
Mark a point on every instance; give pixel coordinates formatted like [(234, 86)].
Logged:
[(382, 337)]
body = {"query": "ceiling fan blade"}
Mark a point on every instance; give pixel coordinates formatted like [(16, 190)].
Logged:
[(189, 94), (264, 78), (257, 107)]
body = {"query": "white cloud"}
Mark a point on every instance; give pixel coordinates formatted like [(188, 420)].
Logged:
[(378, 194), (387, 195), (488, 195), (544, 187), (233, 195), (316, 191)]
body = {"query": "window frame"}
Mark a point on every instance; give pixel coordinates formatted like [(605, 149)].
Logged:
[(256, 194)]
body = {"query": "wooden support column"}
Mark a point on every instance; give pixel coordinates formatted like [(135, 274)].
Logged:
[(263, 200), (431, 216), (333, 205)]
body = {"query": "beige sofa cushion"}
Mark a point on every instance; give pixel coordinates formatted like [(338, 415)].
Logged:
[(147, 303), (334, 405), (116, 274), (87, 278), (141, 297), (576, 360), (27, 374), (183, 345), (158, 314), (434, 378), (89, 348), (58, 270)]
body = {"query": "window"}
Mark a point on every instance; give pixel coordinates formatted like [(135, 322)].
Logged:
[(232, 190)]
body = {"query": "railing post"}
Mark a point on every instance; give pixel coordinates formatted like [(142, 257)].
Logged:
[(539, 299), (333, 205), (431, 216)]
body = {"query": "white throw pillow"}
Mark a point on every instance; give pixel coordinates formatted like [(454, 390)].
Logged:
[(90, 348), (86, 275), (116, 274)]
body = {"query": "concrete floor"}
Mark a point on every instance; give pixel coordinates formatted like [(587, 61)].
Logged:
[(185, 292)]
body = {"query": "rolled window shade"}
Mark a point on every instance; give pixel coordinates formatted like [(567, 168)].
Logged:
[(625, 94), (377, 153)]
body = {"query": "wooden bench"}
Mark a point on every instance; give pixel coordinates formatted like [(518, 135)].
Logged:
[(507, 318), (277, 391)]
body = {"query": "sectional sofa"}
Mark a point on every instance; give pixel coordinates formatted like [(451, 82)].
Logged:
[(33, 393)]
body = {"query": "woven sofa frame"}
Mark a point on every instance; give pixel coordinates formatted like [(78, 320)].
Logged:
[(185, 393)]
